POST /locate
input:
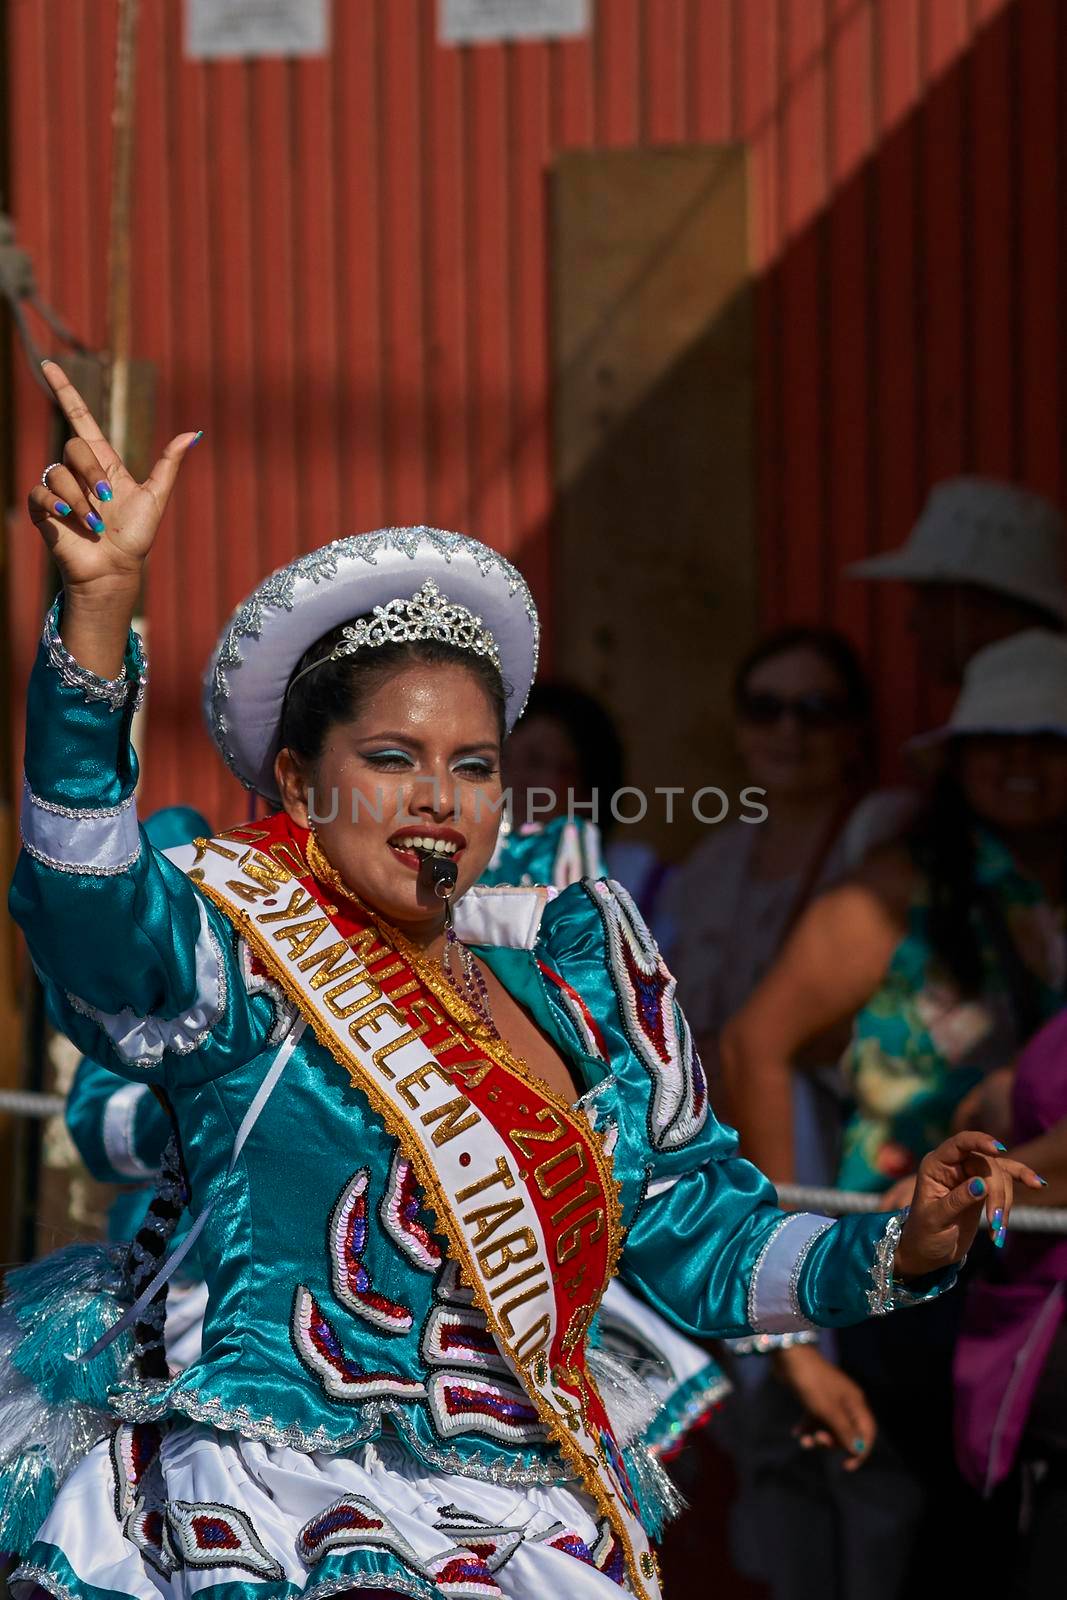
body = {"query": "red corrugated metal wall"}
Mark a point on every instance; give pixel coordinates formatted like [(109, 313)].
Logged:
[(340, 269)]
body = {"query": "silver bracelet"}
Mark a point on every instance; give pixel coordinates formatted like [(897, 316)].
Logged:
[(113, 692)]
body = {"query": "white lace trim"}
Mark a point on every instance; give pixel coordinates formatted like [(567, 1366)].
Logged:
[(142, 1041)]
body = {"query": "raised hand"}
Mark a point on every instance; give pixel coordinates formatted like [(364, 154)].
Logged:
[(96, 519), (964, 1179), (100, 525)]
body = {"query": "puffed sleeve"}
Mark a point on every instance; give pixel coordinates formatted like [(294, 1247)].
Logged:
[(706, 1242), (138, 968)]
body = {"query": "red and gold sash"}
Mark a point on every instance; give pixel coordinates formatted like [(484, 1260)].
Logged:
[(519, 1183)]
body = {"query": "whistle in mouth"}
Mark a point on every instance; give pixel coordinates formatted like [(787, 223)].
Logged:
[(439, 874)]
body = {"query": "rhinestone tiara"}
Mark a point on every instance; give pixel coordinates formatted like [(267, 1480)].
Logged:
[(429, 614)]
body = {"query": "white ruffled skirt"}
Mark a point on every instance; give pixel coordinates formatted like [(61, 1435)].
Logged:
[(165, 1514)]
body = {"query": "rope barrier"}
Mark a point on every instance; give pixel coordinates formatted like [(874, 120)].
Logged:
[(21, 1103), (843, 1202), (798, 1197)]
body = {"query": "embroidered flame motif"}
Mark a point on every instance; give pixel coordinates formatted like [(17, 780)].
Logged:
[(462, 1575), (208, 1535), (400, 1209), (657, 1032), (353, 1523), (316, 1342), (349, 1277)]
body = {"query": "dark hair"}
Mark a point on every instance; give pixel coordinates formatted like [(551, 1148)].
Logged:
[(590, 728), (831, 647), (337, 691), (944, 846)]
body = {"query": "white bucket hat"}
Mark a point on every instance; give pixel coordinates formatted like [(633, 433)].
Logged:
[(249, 671), (981, 531), (1016, 686)]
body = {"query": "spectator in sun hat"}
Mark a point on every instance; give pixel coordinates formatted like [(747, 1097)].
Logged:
[(985, 560), (946, 952)]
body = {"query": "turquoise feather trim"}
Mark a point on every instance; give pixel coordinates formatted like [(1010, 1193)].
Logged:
[(658, 1501), (27, 1490), (53, 1408), (63, 1304)]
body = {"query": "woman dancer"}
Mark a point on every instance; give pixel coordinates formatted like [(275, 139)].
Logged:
[(419, 1126)]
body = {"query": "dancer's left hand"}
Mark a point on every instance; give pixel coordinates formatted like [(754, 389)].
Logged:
[(966, 1178)]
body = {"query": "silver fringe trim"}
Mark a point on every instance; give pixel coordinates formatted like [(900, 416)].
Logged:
[(631, 1405), (149, 1403), (47, 1580)]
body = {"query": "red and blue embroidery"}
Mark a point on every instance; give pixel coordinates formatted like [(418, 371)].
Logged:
[(134, 1449), (348, 1228), (613, 1456), (209, 1536), (609, 1556), (317, 1344), (586, 1025), (400, 1208), (459, 1336), (656, 1030), (352, 1523), (572, 1544), (462, 1403), (491, 1542), (462, 1575)]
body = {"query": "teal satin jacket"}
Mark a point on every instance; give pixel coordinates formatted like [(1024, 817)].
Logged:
[(150, 979)]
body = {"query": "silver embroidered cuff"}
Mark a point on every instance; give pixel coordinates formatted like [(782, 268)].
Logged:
[(765, 1344), (887, 1294), (113, 692), (96, 841), (774, 1287)]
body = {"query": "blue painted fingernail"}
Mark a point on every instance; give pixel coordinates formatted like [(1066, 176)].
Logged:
[(1000, 1236), (1042, 1181), (103, 491), (999, 1145), (976, 1187), (196, 438), (859, 1446), (61, 508), (94, 523)]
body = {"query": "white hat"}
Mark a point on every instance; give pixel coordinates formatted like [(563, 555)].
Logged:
[(247, 676), (978, 530), (1016, 686)]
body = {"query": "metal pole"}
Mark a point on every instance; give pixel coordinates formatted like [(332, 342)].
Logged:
[(118, 286)]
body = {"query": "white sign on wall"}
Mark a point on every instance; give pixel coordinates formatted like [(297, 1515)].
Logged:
[(478, 21), (222, 29)]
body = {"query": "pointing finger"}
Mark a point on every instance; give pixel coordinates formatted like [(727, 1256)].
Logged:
[(79, 416)]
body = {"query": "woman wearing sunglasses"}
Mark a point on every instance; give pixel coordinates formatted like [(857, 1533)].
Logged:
[(944, 954), (802, 707)]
